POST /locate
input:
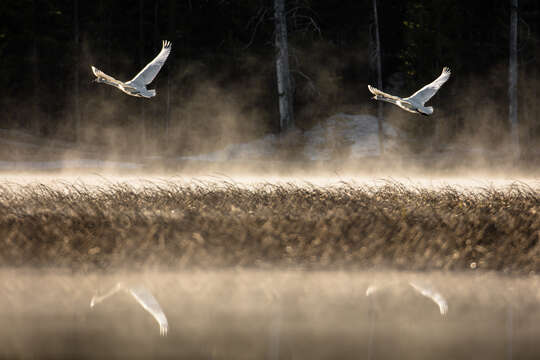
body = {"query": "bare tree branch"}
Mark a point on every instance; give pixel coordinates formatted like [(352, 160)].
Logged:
[(259, 22)]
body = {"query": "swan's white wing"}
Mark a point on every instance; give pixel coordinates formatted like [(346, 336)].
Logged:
[(433, 295), (427, 92), (101, 74), (147, 75), (378, 92), (150, 304)]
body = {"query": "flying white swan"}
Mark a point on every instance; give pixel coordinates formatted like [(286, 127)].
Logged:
[(430, 293), (137, 85), (415, 102), (144, 298)]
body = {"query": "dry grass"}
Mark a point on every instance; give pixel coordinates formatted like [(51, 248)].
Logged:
[(222, 225)]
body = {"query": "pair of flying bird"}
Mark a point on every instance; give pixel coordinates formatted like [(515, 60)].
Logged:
[(137, 86)]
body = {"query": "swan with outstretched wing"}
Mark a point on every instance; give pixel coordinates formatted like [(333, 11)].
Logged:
[(137, 85), (416, 102), (144, 297), (432, 294), (426, 291)]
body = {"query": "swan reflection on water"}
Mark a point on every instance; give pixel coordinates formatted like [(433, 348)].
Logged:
[(144, 297)]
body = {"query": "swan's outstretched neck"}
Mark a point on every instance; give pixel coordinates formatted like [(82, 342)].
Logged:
[(96, 299), (382, 98)]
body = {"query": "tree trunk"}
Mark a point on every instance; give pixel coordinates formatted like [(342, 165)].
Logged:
[(379, 77), (536, 92), (141, 64), (34, 122), (155, 106), (437, 138), (109, 39), (512, 79), (509, 331), (172, 9), (285, 95), (156, 22), (106, 24), (76, 105)]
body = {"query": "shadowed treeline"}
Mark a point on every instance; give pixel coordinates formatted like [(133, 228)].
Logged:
[(218, 85)]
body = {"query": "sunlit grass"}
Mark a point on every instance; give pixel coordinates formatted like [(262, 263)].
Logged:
[(222, 224)]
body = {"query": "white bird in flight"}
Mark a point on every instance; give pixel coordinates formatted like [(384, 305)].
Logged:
[(430, 293), (144, 298), (137, 85), (415, 102)]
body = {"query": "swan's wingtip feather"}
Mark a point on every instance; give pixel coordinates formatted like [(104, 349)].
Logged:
[(163, 331), (443, 308), (443, 312)]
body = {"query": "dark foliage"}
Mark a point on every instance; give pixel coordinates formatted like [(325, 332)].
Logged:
[(223, 55)]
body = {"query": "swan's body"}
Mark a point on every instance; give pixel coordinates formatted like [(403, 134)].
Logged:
[(144, 298), (416, 102), (137, 85)]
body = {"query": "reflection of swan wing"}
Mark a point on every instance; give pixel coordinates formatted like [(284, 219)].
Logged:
[(381, 287), (96, 299), (150, 304), (433, 295), (144, 298), (372, 289)]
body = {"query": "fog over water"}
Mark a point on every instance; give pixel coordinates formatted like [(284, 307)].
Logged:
[(243, 314)]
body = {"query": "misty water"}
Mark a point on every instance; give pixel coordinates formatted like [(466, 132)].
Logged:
[(254, 314)]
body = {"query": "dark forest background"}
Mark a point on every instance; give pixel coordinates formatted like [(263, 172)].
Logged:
[(219, 83)]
